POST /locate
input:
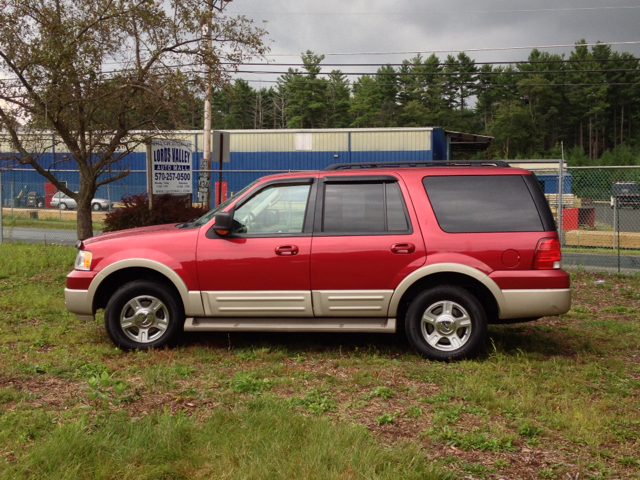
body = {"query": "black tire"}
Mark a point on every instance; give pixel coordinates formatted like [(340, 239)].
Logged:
[(159, 320), (63, 206), (444, 308), (96, 207)]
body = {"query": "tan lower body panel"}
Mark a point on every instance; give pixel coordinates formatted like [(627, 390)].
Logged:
[(365, 325), (352, 303), (279, 303), (535, 303)]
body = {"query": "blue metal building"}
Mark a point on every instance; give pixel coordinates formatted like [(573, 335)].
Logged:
[(248, 154)]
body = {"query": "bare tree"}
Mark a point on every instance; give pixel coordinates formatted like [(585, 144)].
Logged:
[(103, 76)]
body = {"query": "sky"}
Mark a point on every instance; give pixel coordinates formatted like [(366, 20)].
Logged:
[(396, 29)]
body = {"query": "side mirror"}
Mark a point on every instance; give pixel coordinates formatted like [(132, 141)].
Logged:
[(223, 223)]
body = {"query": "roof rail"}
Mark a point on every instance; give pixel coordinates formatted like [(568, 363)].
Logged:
[(424, 163)]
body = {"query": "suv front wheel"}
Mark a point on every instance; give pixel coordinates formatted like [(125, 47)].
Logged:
[(142, 315), (446, 323)]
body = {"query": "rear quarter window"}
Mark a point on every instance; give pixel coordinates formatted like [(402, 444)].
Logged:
[(493, 203)]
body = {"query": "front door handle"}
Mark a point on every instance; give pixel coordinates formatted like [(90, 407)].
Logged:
[(403, 248), (287, 250)]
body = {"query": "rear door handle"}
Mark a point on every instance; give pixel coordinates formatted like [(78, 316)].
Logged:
[(403, 248), (287, 250)]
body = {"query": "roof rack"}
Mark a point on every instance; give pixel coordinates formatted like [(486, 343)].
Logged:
[(426, 163)]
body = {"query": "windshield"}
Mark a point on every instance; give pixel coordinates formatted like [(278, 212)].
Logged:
[(210, 214)]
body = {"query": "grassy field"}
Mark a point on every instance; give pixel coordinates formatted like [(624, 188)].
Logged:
[(9, 221), (553, 399)]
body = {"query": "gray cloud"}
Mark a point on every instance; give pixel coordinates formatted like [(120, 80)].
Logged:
[(335, 26)]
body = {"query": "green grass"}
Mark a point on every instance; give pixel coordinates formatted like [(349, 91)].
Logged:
[(261, 439), (46, 223), (565, 389)]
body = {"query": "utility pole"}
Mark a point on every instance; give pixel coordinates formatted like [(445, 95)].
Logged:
[(204, 181)]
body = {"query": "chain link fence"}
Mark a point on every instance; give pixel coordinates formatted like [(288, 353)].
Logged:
[(598, 216), (597, 209)]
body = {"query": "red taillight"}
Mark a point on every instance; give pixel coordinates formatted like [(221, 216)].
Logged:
[(547, 254)]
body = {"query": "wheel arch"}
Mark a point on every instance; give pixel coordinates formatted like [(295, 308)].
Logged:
[(124, 271), (469, 278)]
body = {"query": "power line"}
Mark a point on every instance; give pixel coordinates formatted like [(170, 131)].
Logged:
[(406, 63), (487, 49), (475, 85), (441, 64), (457, 72), (451, 12), (449, 74)]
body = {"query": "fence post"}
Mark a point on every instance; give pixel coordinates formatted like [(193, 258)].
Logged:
[(616, 218), (560, 194), (618, 225), (11, 200)]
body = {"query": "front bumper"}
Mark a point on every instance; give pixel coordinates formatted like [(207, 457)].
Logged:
[(80, 303)]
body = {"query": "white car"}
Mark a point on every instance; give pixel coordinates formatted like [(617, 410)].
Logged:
[(64, 202)]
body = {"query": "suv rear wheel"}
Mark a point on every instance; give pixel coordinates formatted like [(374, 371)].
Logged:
[(446, 323), (142, 315)]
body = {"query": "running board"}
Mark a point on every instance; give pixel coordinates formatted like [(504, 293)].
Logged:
[(366, 325)]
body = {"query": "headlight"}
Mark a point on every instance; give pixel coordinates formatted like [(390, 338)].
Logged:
[(83, 260)]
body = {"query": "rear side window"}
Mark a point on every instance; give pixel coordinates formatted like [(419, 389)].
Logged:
[(468, 204), (362, 208)]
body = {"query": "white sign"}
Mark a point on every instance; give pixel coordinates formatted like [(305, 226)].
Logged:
[(171, 167), (304, 142)]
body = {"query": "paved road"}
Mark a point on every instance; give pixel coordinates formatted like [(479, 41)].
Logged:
[(628, 263), (629, 218), (39, 235)]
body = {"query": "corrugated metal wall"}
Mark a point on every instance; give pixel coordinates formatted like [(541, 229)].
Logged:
[(316, 149), (257, 151)]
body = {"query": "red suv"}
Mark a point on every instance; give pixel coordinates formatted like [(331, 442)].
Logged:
[(442, 247)]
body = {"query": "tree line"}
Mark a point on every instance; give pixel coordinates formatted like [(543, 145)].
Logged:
[(588, 100)]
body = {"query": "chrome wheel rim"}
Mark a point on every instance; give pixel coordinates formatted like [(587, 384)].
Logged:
[(144, 319), (446, 326)]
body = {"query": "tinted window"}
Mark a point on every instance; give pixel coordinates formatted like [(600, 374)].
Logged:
[(396, 216), (483, 204), (363, 208)]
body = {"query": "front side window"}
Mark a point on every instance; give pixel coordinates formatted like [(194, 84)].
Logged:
[(277, 209), (363, 208)]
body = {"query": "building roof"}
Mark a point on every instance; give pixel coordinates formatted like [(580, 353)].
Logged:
[(468, 142)]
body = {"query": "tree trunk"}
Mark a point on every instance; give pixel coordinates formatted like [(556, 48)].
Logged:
[(615, 128), (596, 146), (622, 126), (581, 137), (590, 141), (84, 220)]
